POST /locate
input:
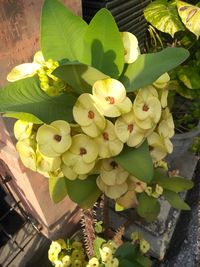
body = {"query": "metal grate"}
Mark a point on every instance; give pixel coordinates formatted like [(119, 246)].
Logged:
[(17, 227), (127, 13)]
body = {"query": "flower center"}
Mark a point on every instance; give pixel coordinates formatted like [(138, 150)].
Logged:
[(114, 164), (57, 137), (105, 136), (90, 114), (110, 99), (151, 148), (130, 128), (145, 107), (125, 52), (83, 151)]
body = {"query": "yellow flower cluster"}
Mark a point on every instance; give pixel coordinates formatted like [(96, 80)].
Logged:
[(105, 120), (62, 254), (48, 82), (143, 244)]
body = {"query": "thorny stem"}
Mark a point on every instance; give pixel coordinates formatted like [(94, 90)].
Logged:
[(106, 218)]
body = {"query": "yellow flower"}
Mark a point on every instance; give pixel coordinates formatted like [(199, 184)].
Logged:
[(144, 246), (106, 254), (159, 146), (22, 129), (128, 200), (128, 131), (58, 263), (112, 173), (26, 69), (26, 149), (113, 191), (77, 245), (81, 156), (131, 48), (56, 246), (147, 108), (93, 262), (46, 164), (157, 192), (148, 190), (112, 263), (108, 143), (161, 164), (161, 84), (77, 263), (77, 255), (110, 97), (112, 245), (66, 260), (87, 115), (53, 255), (167, 117), (162, 81), (138, 185), (135, 236), (54, 139)]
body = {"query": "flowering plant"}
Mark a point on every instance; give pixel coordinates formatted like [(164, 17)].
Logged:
[(106, 253), (92, 113)]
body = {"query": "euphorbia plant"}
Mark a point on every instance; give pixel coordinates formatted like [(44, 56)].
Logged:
[(93, 113)]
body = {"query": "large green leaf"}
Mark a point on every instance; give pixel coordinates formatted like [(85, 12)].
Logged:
[(61, 32), (128, 263), (84, 192), (26, 96), (126, 250), (57, 188), (187, 93), (103, 45), (163, 15), (190, 16), (79, 76), (175, 200), (149, 67), (190, 76), (148, 207), (175, 184), (143, 260), (137, 161)]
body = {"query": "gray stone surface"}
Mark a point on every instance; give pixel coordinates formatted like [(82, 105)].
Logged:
[(184, 249), (159, 233)]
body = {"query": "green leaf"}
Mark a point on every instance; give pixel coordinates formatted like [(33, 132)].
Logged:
[(137, 161), (79, 76), (163, 15), (187, 93), (190, 76), (23, 116), (148, 207), (126, 250), (190, 16), (175, 184), (27, 97), (97, 245), (127, 263), (84, 192), (175, 200), (61, 32), (57, 188), (143, 260), (149, 67), (103, 44)]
